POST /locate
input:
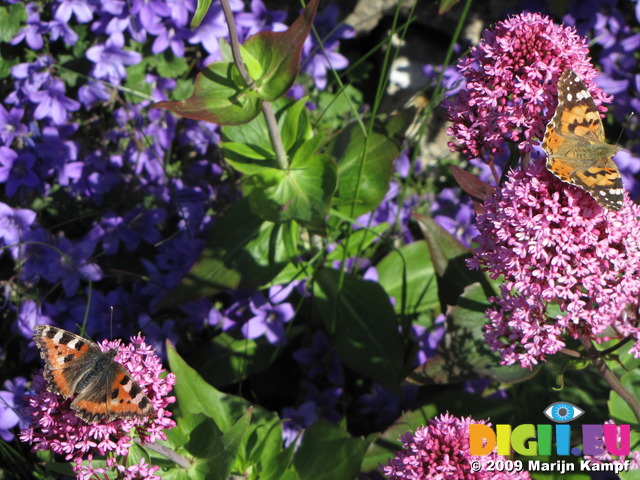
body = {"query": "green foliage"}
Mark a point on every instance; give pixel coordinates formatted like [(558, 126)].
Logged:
[(220, 96), (366, 333), (408, 276), (243, 251), (278, 55), (221, 435), (365, 161), (11, 18), (328, 452)]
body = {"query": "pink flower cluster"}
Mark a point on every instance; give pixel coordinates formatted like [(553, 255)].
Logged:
[(54, 425), (440, 451), (511, 84), (568, 266)]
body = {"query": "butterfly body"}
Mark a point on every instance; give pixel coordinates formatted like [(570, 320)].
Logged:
[(574, 141), (102, 388)]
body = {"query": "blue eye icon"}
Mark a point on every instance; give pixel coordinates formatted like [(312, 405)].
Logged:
[(563, 412)]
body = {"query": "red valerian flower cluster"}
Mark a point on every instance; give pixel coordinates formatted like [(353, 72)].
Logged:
[(510, 89), (55, 426)]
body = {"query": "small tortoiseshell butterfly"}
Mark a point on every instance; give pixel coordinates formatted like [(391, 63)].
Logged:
[(102, 388), (577, 152)]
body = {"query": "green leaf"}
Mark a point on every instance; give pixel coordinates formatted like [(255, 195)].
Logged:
[(224, 442), (463, 354), (12, 18), (408, 276), (337, 108), (446, 5), (253, 66), (201, 11), (363, 324), (302, 192), (223, 459), (227, 360), (448, 257), (242, 251), (328, 452), (220, 96), (619, 410), (365, 164), (168, 66), (295, 126), (279, 54), (194, 395), (203, 446), (293, 122), (247, 158), (359, 241)]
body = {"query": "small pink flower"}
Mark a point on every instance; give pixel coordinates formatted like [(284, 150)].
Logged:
[(440, 451), (569, 267), (54, 425), (511, 85)]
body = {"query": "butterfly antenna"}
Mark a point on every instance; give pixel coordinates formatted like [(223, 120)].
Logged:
[(624, 127), (111, 323)]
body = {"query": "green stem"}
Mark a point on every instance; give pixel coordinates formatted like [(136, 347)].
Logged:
[(267, 110), (166, 452), (613, 381)]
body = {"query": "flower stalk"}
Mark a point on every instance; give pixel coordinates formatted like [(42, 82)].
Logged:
[(267, 110), (614, 382)]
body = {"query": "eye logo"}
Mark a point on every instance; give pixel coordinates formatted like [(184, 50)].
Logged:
[(563, 412)]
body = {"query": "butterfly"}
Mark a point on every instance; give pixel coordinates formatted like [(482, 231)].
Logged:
[(575, 144), (102, 388)]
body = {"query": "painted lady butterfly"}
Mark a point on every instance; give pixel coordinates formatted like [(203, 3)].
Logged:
[(102, 388), (575, 144)]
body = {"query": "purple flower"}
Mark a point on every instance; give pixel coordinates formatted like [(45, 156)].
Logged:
[(10, 406), (267, 320), (320, 359), (326, 400), (180, 11), (511, 84), (556, 247), (29, 316), (136, 226), (454, 215), (54, 425), (452, 79), (169, 36), (211, 29), (134, 17), (381, 405), (40, 258), (52, 102), (157, 335), (14, 223), (111, 59), (75, 264), (17, 171), (82, 9), (295, 421), (93, 92), (11, 125), (31, 77), (428, 339), (62, 30), (441, 450), (317, 62), (34, 30), (260, 18)]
